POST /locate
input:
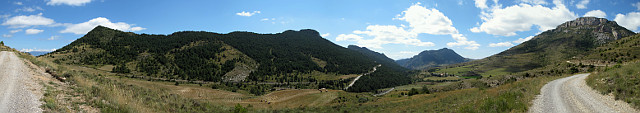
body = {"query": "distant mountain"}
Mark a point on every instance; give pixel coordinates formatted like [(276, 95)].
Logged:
[(571, 39), (432, 58), (378, 57), (290, 56), (38, 53)]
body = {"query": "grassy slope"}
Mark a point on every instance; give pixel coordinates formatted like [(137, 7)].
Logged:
[(514, 97), (622, 81), (547, 48)]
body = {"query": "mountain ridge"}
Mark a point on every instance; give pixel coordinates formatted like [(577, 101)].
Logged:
[(571, 39), (432, 58), (289, 56)]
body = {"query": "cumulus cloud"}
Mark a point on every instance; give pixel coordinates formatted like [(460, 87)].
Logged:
[(509, 20), (68, 2), (83, 28), (26, 21), (17, 3), (421, 21), (32, 31), (430, 21), (462, 41), (482, 4), (630, 21), (582, 4), (520, 40), (325, 35), (596, 13), (247, 14), (501, 44)]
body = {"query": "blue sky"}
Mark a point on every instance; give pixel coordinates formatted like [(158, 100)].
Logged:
[(399, 29)]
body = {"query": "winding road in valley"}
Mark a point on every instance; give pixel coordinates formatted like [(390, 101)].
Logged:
[(19, 92), (572, 95)]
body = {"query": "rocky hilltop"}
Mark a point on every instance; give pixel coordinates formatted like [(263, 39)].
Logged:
[(603, 29)]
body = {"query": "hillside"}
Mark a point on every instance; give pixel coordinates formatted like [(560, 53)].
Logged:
[(571, 39), (291, 56), (432, 58), (378, 57)]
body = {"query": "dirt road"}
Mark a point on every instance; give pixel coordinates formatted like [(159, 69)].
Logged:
[(356, 79), (572, 95), (19, 92)]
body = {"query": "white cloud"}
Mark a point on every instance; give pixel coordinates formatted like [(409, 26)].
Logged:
[(29, 9), (596, 13), (32, 31), (509, 20), (482, 4), (520, 40), (348, 37), (389, 34), (247, 14), (7, 35), (26, 21), (53, 38), (421, 20), (35, 49), (17, 3), (68, 2), (630, 21), (582, 4), (501, 44), (430, 21), (325, 35), (461, 41), (15, 31), (637, 5), (83, 28), (537, 2)]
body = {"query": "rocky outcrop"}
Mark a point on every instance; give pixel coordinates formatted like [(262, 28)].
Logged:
[(602, 29)]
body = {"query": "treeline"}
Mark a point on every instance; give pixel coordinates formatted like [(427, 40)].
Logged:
[(384, 77)]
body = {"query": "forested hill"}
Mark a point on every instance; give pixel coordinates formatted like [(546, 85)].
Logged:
[(237, 56), (378, 57), (432, 58)]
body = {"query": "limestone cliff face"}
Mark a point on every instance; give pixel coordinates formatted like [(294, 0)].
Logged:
[(602, 29)]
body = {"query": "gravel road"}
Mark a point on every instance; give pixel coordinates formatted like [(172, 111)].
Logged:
[(19, 92), (572, 95)]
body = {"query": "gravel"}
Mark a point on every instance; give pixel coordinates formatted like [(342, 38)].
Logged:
[(19, 92), (572, 95)]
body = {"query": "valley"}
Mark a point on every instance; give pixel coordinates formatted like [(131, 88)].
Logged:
[(580, 66)]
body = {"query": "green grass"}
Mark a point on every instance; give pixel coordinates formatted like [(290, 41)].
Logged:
[(115, 96), (622, 81), (442, 78), (512, 97), (456, 70), (49, 98), (495, 72)]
